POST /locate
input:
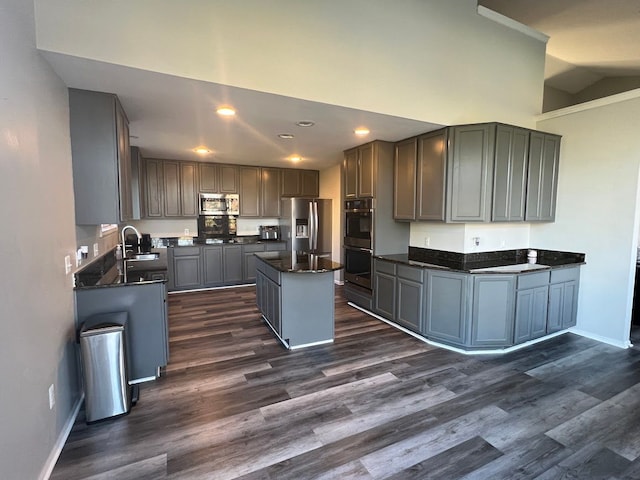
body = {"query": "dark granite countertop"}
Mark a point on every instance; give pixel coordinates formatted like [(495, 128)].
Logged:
[(288, 262), (503, 261), (108, 271)]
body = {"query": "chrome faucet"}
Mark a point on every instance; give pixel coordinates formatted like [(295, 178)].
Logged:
[(124, 248)]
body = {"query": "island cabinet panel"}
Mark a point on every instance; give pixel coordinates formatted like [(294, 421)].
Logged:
[(446, 307), (404, 180), (470, 173), (493, 310), (212, 266), (432, 175), (101, 158), (510, 173), (542, 183)]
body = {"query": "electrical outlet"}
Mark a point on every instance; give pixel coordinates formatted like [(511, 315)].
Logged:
[(67, 264), (52, 397), (502, 242), (427, 241), (186, 232), (476, 241), (96, 250)]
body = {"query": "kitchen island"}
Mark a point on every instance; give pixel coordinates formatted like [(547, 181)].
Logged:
[(295, 295)]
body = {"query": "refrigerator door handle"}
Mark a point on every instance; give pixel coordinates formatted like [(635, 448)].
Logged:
[(316, 223), (311, 226)]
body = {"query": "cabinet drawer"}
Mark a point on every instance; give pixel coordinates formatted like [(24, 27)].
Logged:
[(185, 251), (258, 247), (385, 267), (565, 274), (411, 273), (532, 280)]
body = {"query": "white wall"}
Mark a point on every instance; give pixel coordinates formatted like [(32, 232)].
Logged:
[(460, 237), (597, 210), (37, 346), (429, 60)]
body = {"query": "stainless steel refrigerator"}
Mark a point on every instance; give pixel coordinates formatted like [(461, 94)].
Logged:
[(306, 225)]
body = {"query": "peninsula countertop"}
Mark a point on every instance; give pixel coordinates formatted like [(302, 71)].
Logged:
[(288, 262)]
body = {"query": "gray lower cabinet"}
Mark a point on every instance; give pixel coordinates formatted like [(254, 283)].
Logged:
[(493, 310), (147, 326), (205, 266), (563, 299), (410, 288), (532, 300), (446, 307), (384, 288)]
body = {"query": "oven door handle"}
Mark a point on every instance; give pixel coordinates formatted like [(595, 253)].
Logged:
[(358, 249)]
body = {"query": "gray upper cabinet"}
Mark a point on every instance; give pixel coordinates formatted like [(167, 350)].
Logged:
[(153, 188), (470, 173), (510, 173), (432, 175), (270, 192), (542, 184), (360, 170), (180, 190), (250, 191), (404, 180), (300, 183), (218, 178), (101, 158)]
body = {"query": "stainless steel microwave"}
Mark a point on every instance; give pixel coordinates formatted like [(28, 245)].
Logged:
[(219, 204)]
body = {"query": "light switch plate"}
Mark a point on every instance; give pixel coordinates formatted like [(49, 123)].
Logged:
[(96, 250), (67, 264)]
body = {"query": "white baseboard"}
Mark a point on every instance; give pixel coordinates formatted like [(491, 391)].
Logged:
[(599, 338), (62, 439)]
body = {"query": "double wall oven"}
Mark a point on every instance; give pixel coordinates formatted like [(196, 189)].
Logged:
[(218, 214), (358, 241)]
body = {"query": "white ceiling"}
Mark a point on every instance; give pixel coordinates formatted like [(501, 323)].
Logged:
[(170, 116), (589, 39)]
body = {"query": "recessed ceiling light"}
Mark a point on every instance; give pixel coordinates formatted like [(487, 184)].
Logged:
[(202, 150), (305, 123), (361, 131), (286, 135), (226, 111), (295, 158)]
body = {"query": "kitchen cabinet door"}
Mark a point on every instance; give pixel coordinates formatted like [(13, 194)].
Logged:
[(432, 175), (310, 183), (187, 272), (153, 187), (510, 173), (493, 310), (228, 178), (404, 178), (249, 261), (218, 178), (542, 184), (531, 314), (367, 170), (351, 173), (446, 307), (208, 176), (232, 264), (410, 297), (384, 288), (212, 266), (171, 188), (270, 192), (188, 189), (250, 183), (470, 173), (100, 152)]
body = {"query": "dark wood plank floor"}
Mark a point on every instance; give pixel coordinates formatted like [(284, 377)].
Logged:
[(375, 404)]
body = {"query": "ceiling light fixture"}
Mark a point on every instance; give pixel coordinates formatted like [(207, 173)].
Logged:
[(202, 150), (361, 131), (286, 135), (226, 111), (295, 158), (305, 123)]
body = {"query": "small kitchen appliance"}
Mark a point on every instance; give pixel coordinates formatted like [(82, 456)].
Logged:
[(269, 232)]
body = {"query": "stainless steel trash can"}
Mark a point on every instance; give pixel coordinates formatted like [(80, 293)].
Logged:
[(103, 349)]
